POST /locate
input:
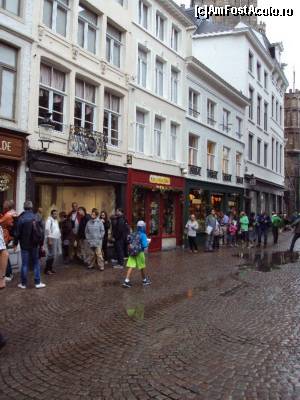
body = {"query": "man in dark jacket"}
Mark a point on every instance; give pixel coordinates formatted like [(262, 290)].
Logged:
[(30, 235), (296, 224), (263, 223), (120, 232)]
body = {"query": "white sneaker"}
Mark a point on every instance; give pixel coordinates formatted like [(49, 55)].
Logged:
[(40, 285), (9, 278), (21, 286)]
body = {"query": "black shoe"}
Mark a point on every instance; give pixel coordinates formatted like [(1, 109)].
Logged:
[(2, 342), (126, 284)]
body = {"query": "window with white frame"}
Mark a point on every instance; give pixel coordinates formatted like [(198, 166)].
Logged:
[(265, 116), (112, 118), (272, 153), (265, 155), (113, 45), (239, 123), (276, 156), (193, 149), (142, 67), (250, 147), (143, 14), (258, 71), (160, 27), (250, 61), (87, 29), (175, 38), (266, 77), (272, 105), (173, 149), (52, 95), (280, 115), (238, 164), (140, 131), (8, 79), (280, 159), (211, 148), (159, 77), (85, 99), (55, 15), (157, 136), (194, 109), (12, 6), (258, 112), (211, 107), (174, 85), (276, 110), (225, 160), (258, 151), (251, 95), (226, 120)]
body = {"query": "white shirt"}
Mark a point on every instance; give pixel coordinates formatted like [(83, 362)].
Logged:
[(52, 228)]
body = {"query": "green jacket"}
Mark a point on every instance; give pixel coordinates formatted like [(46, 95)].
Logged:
[(244, 223), (276, 221)]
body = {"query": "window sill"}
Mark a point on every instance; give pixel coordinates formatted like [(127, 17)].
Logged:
[(18, 18)]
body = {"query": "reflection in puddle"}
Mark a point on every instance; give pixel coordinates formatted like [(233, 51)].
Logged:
[(134, 304), (265, 261)]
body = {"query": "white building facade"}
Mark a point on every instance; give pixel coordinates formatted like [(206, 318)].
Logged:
[(245, 59), (15, 65), (215, 121)]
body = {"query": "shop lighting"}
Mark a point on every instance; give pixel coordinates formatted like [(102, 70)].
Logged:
[(46, 129)]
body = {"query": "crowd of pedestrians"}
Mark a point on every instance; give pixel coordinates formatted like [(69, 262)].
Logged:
[(234, 228)]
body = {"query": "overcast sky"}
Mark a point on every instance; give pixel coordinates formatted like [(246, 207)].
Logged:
[(282, 29)]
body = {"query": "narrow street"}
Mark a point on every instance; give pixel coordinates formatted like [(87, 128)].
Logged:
[(211, 326)]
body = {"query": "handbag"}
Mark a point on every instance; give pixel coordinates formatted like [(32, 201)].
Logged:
[(209, 230)]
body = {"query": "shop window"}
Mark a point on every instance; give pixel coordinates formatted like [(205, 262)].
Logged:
[(140, 131), (174, 85), (159, 77), (8, 76), (142, 67), (113, 45), (211, 148), (7, 182), (138, 205), (52, 95), (168, 213), (154, 214), (194, 104), (193, 149), (87, 29), (157, 136), (84, 113), (112, 116), (199, 204), (217, 201), (55, 15), (12, 6)]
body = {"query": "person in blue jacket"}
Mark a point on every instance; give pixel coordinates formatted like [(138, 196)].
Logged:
[(136, 260)]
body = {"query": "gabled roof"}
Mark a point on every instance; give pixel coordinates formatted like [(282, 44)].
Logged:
[(207, 26), (178, 11)]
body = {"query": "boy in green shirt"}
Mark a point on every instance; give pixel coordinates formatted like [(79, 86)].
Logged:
[(276, 224)]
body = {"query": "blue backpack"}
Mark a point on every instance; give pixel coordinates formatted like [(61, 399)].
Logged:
[(134, 244)]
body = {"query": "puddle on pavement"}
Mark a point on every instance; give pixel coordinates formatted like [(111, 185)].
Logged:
[(266, 261)]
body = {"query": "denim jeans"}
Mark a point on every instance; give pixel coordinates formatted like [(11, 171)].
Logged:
[(36, 265), (209, 241)]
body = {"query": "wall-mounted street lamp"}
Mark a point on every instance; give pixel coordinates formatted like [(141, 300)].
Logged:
[(46, 129)]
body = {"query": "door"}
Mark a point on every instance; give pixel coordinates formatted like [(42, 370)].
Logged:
[(154, 220)]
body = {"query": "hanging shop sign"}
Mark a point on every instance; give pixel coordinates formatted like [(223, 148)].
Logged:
[(160, 180), (11, 147)]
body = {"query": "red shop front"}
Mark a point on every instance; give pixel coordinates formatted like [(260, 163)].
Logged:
[(158, 200)]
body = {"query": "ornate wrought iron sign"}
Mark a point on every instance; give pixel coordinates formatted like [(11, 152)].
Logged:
[(84, 142)]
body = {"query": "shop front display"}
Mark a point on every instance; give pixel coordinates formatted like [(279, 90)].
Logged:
[(12, 152), (56, 182), (157, 200)]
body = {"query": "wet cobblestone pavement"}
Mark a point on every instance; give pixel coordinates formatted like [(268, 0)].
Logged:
[(211, 326)]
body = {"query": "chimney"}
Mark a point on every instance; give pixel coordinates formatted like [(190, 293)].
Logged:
[(182, 6), (262, 27)]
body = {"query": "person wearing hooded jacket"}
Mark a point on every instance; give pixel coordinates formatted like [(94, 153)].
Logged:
[(94, 233), (138, 261)]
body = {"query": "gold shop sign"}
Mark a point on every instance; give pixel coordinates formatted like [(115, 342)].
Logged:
[(160, 180), (12, 147)]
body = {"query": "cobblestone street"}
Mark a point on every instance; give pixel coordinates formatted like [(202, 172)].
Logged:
[(211, 326)]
